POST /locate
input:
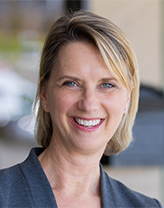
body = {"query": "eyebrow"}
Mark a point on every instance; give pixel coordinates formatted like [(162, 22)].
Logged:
[(109, 79), (105, 79), (68, 77)]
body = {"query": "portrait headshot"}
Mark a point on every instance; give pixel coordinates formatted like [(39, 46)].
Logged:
[(86, 103)]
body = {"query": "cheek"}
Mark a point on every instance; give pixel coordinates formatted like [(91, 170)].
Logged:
[(115, 111), (60, 103), (116, 104)]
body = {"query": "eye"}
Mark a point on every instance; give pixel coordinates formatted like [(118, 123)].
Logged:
[(70, 83), (107, 85)]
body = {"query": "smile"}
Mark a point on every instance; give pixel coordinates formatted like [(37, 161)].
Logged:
[(87, 123)]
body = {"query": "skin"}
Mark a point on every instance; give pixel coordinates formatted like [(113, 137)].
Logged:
[(80, 87)]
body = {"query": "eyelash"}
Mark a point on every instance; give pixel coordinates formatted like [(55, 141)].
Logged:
[(69, 83), (74, 84), (109, 85)]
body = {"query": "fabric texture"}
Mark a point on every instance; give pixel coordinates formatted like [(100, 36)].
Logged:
[(26, 185)]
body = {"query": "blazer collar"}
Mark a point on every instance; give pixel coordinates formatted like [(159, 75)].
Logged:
[(40, 188), (108, 194), (37, 181)]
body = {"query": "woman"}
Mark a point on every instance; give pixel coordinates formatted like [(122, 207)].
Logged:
[(88, 98)]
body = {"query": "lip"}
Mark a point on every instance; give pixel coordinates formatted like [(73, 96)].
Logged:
[(85, 128)]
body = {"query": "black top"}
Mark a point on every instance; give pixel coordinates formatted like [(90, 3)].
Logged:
[(26, 185)]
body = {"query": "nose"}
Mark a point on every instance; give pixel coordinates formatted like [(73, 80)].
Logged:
[(89, 101)]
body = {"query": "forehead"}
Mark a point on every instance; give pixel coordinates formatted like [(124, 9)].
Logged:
[(79, 58), (79, 51)]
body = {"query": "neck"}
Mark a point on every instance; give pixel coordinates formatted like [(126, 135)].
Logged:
[(75, 173)]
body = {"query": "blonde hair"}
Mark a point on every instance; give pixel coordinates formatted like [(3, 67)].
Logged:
[(118, 55)]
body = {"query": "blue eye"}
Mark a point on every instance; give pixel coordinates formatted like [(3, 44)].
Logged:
[(107, 85), (70, 84)]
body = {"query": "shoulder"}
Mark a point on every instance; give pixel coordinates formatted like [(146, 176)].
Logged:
[(9, 175), (15, 174), (14, 186), (9, 178), (120, 195), (11, 182)]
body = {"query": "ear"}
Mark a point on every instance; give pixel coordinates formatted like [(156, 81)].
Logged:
[(43, 98)]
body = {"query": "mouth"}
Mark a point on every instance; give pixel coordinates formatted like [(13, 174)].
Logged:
[(88, 123)]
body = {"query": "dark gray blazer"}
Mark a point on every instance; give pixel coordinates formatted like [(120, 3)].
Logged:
[(26, 185)]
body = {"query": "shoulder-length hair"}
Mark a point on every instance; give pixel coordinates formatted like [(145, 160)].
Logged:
[(118, 55)]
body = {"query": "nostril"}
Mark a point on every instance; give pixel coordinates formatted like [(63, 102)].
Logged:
[(88, 100), (86, 105)]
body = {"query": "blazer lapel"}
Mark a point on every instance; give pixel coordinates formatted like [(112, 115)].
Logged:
[(108, 195), (37, 181)]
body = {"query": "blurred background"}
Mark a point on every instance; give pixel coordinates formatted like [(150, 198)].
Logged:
[(23, 27)]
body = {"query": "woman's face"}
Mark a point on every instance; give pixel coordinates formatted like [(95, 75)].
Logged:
[(86, 103)]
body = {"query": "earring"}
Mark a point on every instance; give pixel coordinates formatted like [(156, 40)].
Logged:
[(125, 109), (45, 106)]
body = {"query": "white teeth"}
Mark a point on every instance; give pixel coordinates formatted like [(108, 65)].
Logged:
[(87, 122), (90, 123)]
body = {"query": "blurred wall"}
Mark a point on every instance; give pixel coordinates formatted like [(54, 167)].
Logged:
[(141, 21)]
